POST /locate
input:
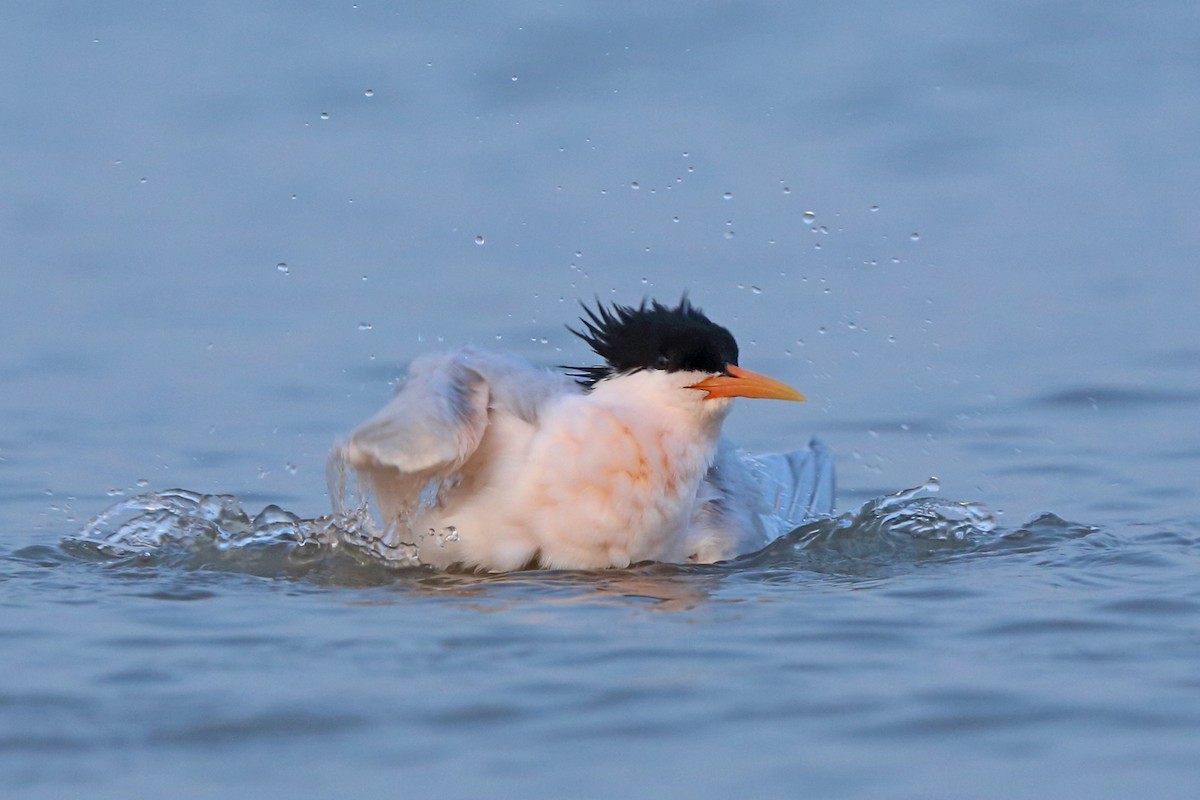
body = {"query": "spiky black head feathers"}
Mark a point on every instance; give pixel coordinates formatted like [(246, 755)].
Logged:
[(653, 336)]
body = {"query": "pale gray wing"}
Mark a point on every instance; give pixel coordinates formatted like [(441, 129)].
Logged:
[(434, 423), (760, 498), (516, 386), (797, 486)]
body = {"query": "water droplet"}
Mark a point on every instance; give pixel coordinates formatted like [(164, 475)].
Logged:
[(369, 93), (142, 483), (364, 326), (674, 219), (756, 290), (728, 195), (787, 190), (635, 186), (514, 78), (728, 234), (874, 209), (143, 180), (914, 236), (324, 115), (809, 218), (685, 153), (932, 485), (114, 492), (290, 467), (479, 239), (282, 267)]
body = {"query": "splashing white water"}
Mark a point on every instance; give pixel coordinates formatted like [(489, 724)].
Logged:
[(202, 528)]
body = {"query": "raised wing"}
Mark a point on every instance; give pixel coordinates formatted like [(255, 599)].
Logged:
[(434, 424), (748, 501), (796, 487)]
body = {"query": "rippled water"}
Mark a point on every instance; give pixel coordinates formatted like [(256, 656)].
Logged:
[(966, 232)]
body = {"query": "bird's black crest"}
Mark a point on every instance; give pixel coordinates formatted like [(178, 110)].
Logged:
[(652, 336)]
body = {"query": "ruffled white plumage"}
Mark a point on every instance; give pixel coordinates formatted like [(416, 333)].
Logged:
[(484, 461)]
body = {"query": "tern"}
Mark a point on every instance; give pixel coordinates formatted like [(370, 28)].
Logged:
[(482, 461)]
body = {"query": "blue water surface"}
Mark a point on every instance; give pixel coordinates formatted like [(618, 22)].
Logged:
[(968, 232)]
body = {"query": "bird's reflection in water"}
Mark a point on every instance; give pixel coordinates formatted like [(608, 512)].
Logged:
[(658, 587)]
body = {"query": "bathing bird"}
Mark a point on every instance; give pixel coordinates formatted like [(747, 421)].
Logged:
[(482, 461)]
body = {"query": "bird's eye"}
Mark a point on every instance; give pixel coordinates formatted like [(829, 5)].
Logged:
[(662, 362)]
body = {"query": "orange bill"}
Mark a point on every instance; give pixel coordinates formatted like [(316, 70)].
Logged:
[(744, 383)]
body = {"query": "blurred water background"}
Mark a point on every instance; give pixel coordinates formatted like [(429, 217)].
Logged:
[(968, 232)]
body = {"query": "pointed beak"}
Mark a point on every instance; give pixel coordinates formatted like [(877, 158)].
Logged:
[(744, 383)]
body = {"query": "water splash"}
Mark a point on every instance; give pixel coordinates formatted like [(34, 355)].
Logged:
[(194, 531), (908, 513), (179, 522), (908, 527)]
